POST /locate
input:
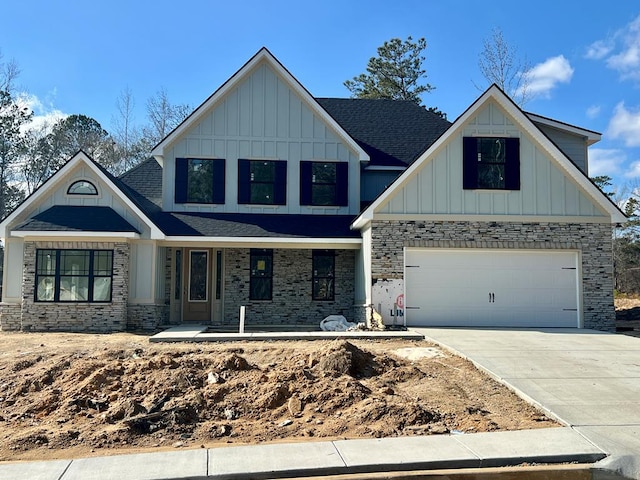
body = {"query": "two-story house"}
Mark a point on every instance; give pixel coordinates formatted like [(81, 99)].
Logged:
[(298, 207)]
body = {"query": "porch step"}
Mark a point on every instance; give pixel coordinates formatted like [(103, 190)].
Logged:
[(199, 333)]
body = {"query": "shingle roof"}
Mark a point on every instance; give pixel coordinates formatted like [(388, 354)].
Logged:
[(145, 179), (67, 218), (392, 132), (255, 225)]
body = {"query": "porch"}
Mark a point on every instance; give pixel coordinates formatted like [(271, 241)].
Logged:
[(204, 333)]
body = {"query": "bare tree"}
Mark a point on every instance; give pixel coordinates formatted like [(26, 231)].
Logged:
[(9, 71), (125, 134), (500, 64)]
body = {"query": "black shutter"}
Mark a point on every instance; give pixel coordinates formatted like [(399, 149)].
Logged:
[(512, 167), (244, 181), (180, 195), (306, 176), (218, 180), (469, 163), (280, 183), (342, 184)]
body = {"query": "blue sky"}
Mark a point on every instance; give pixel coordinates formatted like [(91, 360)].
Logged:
[(77, 56)]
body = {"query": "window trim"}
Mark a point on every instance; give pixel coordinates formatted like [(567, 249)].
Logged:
[(95, 192), (470, 163), (245, 182), (306, 183), (254, 252), (323, 253), (90, 276), (181, 182)]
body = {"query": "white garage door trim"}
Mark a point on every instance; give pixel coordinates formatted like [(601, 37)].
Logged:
[(492, 287)]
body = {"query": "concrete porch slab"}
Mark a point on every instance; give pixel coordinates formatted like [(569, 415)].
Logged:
[(198, 333)]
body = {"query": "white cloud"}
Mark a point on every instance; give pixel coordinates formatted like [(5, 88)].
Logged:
[(44, 115), (634, 170), (604, 161), (625, 125), (545, 76), (599, 49), (593, 111), (621, 52)]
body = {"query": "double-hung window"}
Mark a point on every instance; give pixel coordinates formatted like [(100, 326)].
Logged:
[(74, 275), (324, 183), (262, 182), (491, 163), (200, 180), (261, 281), (324, 265)]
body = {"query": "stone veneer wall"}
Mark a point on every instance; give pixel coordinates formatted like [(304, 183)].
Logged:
[(291, 302), (594, 241), (10, 315), (146, 316), (77, 317)]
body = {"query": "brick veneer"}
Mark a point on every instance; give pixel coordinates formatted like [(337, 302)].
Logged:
[(292, 276), (81, 317), (594, 241)]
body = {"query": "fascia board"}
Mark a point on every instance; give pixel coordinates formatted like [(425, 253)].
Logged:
[(345, 243)]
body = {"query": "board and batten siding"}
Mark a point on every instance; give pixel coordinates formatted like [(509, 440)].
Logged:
[(574, 146), (544, 189), (262, 118)]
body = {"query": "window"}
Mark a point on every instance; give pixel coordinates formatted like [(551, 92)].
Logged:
[(82, 187), (200, 180), (324, 183), (74, 275), (491, 163), (324, 264), (262, 182), (261, 283)]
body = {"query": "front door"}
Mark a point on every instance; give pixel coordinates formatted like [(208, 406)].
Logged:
[(197, 285)]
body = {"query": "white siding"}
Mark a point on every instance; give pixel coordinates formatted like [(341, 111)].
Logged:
[(544, 189), (142, 272), (261, 119), (13, 266)]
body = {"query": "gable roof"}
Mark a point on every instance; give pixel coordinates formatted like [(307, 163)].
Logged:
[(494, 93), (263, 55), (82, 158), (393, 132)]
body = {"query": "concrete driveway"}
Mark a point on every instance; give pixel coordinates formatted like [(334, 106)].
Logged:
[(587, 379)]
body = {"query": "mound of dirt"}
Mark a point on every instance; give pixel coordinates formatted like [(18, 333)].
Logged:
[(64, 395)]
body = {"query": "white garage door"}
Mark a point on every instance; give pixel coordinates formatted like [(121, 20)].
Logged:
[(473, 287)]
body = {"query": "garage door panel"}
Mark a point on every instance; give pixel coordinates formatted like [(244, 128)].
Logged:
[(473, 287)]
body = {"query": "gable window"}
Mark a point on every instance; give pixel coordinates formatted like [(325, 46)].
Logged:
[(261, 282), (262, 182), (200, 180), (324, 183), (82, 187), (74, 275), (324, 264), (491, 163)]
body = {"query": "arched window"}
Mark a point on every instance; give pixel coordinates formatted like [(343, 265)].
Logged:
[(82, 187)]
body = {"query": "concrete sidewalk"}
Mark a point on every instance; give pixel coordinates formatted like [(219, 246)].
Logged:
[(499, 449), (588, 380)]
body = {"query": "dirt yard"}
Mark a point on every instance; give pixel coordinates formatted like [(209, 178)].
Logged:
[(75, 395)]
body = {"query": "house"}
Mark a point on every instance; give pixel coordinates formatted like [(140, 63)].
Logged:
[(299, 207)]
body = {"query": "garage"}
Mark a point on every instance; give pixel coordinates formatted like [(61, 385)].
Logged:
[(491, 288)]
